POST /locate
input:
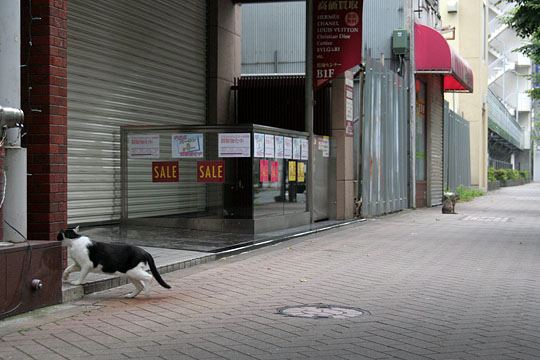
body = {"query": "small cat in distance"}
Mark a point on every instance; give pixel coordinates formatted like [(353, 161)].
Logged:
[(449, 203)]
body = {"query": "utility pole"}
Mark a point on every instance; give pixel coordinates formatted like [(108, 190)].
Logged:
[(309, 104)]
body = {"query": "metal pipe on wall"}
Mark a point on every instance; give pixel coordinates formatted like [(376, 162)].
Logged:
[(409, 14), (14, 206)]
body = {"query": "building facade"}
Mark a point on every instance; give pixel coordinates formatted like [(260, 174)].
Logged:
[(509, 80), (465, 24)]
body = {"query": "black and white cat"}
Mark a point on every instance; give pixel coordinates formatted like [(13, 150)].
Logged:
[(93, 256)]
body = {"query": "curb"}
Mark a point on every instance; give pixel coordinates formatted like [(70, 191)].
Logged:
[(278, 239), (76, 292)]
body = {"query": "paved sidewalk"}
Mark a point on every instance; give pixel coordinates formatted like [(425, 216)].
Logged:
[(436, 286)]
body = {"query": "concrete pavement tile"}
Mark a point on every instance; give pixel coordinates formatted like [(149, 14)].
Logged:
[(458, 355), (404, 355), (523, 356)]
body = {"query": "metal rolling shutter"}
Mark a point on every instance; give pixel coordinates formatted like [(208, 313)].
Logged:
[(129, 63), (436, 140)]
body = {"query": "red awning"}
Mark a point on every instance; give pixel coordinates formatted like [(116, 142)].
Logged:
[(433, 55)]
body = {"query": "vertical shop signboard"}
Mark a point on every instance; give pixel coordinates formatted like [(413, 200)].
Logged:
[(337, 38), (349, 108)]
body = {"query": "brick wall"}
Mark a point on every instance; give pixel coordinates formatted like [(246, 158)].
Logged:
[(45, 107)]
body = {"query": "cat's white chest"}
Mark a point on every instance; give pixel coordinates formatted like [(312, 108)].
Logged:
[(79, 250)]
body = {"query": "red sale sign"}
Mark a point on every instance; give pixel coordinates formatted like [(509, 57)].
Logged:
[(263, 171), (274, 171), (337, 38), (211, 171), (165, 171)]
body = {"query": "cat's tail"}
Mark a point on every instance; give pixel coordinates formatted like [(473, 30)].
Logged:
[(150, 260)]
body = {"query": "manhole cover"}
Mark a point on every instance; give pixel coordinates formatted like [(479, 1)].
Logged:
[(322, 311)]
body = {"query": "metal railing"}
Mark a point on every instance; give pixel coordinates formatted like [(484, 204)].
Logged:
[(499, 164), (502, 122), (457, 156), (502, 9)]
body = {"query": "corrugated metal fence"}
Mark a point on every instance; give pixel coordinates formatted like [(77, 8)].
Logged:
[(457, 157), (384, 141)]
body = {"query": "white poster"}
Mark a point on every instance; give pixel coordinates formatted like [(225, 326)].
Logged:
[(296, 149), (287, 148), (234, 145), (324, 145), (349, 110), (304, 145), (269, 146), (279, 147), (143, 146), (187, 146), (258, 145)]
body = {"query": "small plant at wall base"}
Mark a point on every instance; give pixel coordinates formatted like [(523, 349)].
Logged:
[(501, 174), (467, 194), (491, 175), (504, 175)]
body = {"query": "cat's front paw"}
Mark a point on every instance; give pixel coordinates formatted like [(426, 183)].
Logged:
[(76, 282), (130, 295)]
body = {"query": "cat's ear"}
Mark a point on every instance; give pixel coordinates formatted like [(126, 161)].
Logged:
[(76, 230)]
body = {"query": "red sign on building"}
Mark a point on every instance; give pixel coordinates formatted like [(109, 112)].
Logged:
[(211, 171), (263, 171), (337, 38), (165, 171), (274, 171)]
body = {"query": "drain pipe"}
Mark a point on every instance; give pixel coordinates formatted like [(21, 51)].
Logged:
[(309, 102), (410, 20), (14, 170)]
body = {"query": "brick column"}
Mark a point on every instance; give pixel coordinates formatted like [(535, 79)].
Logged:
[(44, 101)]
